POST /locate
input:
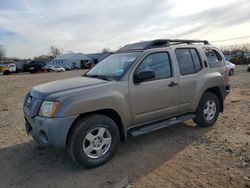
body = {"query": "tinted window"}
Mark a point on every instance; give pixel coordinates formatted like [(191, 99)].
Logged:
[(214, 58), (157, 62), (196, 60), (185, 61)]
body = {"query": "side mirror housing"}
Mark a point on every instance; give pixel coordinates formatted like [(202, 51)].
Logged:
[(144, 75)]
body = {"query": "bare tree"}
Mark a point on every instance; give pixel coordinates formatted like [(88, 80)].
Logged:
[(54, 51), (70, 52), (105, 50), (246, 47), (2, 53), (237, 47), (43, 58)]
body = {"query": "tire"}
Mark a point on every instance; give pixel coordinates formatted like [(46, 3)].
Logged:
[(34, 71), (86, 134), (205, 116), (7, 72), (231, 72)]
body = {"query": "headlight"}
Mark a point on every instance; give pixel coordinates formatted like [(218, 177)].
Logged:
[(48, 108)]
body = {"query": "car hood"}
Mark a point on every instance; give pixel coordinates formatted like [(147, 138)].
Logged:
[(43, 90)]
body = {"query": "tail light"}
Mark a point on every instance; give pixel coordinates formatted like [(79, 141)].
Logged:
[(227, 74)]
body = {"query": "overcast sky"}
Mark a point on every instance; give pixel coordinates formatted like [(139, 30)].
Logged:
[(29, 27)]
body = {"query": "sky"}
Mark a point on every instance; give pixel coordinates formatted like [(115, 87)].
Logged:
[(29, 27)]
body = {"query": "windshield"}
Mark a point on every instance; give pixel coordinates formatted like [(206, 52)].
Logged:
[(113, 67)]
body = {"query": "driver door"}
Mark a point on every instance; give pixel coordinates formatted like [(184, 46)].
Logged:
[(155, 98)]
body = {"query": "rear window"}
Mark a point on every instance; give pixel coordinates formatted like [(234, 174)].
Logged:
[(214, 58)]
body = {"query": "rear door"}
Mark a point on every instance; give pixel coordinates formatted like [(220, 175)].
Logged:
[(156, 98), (190, 69)]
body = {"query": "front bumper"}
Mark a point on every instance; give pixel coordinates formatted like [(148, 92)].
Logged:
[(49, 131)]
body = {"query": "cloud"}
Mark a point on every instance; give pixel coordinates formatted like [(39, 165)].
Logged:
[(231, 14), (30, 27), (11, 5), (5, 33)]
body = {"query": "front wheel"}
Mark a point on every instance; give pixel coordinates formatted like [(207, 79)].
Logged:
[(93, 141), (208, 110)]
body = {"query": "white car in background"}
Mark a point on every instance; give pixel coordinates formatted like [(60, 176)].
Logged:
[(57, 69), (231, 67)]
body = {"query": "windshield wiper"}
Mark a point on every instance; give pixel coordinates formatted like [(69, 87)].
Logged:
[(102, 77)]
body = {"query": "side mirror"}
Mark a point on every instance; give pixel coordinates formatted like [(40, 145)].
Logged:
[(144, 75)]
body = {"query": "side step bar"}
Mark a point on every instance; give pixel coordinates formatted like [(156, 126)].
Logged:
[(159, 125)]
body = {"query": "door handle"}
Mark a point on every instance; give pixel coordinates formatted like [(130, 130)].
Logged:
[(172, 84)]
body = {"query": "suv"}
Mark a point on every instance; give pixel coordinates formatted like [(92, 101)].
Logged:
[(141, 88), (34, 67)]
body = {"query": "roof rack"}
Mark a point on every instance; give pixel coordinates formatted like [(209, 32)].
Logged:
[(159, 43)]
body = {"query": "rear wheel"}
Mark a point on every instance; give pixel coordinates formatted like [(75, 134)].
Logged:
[(231, 72), (208, 110), (7, 72), (93, 141)]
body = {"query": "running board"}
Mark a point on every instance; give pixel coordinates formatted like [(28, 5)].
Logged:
[(160, 124)]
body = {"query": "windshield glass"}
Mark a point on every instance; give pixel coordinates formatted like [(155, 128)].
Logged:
[(113, 67)]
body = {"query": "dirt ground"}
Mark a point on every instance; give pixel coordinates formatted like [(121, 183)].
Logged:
[(178, 156)]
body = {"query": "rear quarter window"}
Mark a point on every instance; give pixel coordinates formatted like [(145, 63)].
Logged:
[(214, 59)]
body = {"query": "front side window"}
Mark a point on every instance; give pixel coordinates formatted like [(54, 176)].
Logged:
[(114, 66), (214, 58), (157, 62)]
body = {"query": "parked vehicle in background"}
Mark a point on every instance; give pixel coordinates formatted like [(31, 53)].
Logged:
[(74, 67), (57, 69), (34, 66), (231, 67), (67, 68), (19, 67), (48, 68), (89, 65), (4, 70), (142, 88), (12, 67), (248, 68)]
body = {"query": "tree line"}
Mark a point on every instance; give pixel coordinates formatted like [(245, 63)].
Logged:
[(52, 53), (238, 52)]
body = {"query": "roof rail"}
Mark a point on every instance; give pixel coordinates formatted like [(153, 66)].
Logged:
[(159, 43)]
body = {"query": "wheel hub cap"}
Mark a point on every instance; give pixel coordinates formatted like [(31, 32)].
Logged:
[(209, 110), (97, 142)]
